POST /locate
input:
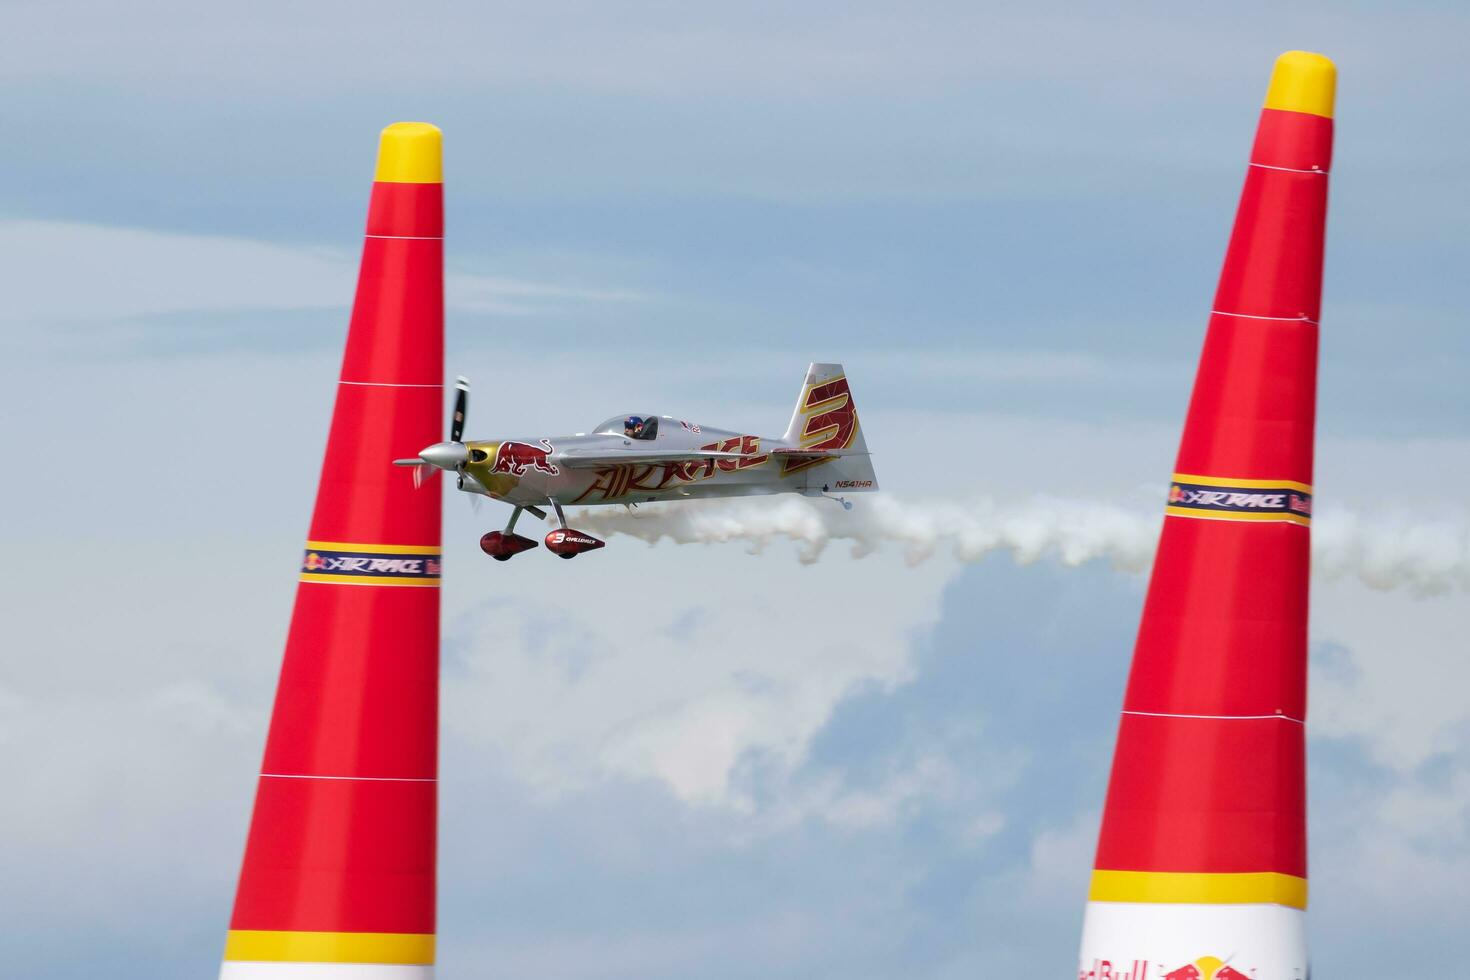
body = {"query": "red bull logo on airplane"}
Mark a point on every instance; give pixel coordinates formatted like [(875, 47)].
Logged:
[(517, 457)]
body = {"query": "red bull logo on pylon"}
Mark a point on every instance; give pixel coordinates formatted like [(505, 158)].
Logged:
[(1201, 968), (1206, 968)]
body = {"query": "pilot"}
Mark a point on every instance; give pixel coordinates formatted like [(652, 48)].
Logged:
[(633, 427)]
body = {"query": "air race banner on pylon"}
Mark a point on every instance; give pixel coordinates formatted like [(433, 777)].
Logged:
[(338, 874), (1201, 869)]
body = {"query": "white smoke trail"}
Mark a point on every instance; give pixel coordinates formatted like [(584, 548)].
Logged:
[(1425, 558)]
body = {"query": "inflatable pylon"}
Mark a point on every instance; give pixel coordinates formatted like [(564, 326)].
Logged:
[(1201, 870), (338, 875)]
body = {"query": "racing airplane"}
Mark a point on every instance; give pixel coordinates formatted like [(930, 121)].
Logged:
[(637, 458)]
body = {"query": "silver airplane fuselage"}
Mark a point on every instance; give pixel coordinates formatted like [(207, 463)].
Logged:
[(701, 462)]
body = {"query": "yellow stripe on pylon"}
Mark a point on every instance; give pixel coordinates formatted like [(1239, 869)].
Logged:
[(329, 947), (1171, 887), (374, 549), (389, 580), (411, 153), (1267, 517), (1303, 81), (1222, 481)]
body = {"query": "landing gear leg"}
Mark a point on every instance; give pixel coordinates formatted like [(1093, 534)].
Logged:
[(560, 517)]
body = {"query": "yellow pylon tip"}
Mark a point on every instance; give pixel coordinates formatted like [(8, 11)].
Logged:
[(411, 153), (1303, 82)]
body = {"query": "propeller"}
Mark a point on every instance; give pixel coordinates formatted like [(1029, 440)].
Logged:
[(450, 455), (461, 405)]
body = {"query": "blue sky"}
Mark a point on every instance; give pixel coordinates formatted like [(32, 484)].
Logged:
[(1005, 219)]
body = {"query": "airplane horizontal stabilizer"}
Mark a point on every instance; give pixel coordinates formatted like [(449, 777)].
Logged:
[(818, 453)]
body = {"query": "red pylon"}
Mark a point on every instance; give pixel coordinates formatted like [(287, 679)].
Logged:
[(1203, 844), (338, 875)]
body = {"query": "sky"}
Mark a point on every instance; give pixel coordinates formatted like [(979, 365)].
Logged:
[(1005, 219)]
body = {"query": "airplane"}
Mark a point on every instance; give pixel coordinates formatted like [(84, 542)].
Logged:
[(639, 458)]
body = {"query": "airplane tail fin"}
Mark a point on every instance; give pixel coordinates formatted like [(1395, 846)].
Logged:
[(825, 438)]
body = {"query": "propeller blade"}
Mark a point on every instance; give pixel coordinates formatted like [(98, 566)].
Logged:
[(461, 405), (421, 470)]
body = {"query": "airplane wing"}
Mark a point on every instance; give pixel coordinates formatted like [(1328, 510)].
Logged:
[(579, 459), (590, 458)]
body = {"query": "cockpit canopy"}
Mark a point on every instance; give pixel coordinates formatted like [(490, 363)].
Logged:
[(634, 425)]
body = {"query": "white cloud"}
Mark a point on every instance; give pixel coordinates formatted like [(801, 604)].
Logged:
[(1062, 860), (498, 294), (63, 272), (929, 780), (678, 667), (68, 273), (1405, 696)]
